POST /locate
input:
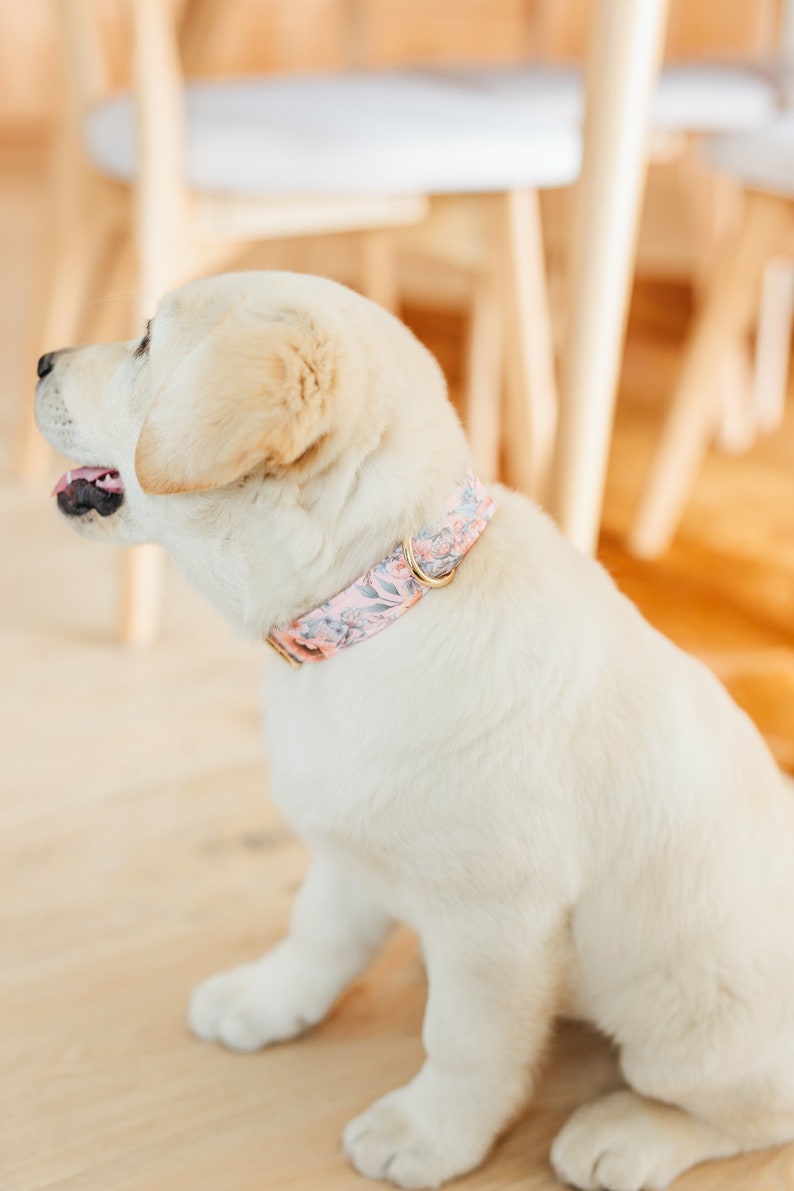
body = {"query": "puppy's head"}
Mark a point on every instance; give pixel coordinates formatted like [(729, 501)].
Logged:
[(232, 375), (248, 386)]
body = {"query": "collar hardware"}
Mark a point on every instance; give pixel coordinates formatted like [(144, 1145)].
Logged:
[(279, 649), (423, 561), (418, 573)]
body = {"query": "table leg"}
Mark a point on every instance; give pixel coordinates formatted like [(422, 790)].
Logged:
[(625, 50)]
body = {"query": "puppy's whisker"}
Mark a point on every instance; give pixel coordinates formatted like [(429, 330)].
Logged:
[(114, 297)]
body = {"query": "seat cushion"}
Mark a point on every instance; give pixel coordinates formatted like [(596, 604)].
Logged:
[(690, 96), (762, 159), (395, 132), (715, 97)]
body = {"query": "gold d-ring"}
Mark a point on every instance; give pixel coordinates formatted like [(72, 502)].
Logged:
[(418, 573), (278, 648)]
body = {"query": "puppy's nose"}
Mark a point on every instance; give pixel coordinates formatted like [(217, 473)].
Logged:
[(46, 364)]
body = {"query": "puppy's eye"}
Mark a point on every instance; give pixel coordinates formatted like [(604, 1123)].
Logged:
[(143, 346)]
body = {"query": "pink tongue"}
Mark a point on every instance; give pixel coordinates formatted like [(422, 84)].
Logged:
[(104, 478)]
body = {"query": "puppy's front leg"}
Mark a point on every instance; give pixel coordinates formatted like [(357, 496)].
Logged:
[(491, 1000), (336, 930)]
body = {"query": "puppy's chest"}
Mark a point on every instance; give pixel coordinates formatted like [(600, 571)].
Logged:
[(326, 792), (341, 755), (370, 798), (429, 783), (405, 822)]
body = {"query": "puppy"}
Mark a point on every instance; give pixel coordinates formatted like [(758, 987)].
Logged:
[(570, 812)]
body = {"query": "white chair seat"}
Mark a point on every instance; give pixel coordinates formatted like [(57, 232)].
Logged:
[(761, 160), (716, 97), (690, 97), (399, 132), (434, 131)]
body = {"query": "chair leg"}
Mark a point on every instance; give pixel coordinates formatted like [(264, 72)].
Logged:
[(625, 48), (531, 406), (712, 207), (724, 317), (378, 272), (482, 398), (142, 573), (773, 343), (111, 316), (143, 567), (78, 244), (737, 424)]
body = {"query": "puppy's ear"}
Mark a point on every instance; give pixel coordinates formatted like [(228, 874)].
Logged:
[(254, 391)]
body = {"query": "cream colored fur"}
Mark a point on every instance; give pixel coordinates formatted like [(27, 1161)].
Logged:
[(570, 812)]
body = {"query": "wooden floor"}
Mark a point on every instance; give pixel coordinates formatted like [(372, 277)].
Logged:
[(140, 852)]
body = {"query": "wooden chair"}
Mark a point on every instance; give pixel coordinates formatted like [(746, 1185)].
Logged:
[(185, 177), (753, 267), (751, 281)]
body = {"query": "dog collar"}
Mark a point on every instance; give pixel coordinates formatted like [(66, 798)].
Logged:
[(421, 562)]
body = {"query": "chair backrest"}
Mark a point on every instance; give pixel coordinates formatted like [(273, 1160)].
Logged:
[(94, 35), (83, 66), (157, 83), (159, 101)]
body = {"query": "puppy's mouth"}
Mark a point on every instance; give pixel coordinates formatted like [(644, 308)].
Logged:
[(89, 489)]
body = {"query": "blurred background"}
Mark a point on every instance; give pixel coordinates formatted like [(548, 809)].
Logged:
[(583, 208), (102, 214)]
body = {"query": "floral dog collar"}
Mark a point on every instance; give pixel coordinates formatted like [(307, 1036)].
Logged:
[(394, 585)]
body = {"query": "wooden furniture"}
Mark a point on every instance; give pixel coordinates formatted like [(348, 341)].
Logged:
[(510, 319), (624, 103), (755, 259), (626, 44), (688, 99), (259, 36), (192, 175), (174, 233), (621, 69)]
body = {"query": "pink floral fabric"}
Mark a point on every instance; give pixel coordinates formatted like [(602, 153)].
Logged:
[(390, 589)]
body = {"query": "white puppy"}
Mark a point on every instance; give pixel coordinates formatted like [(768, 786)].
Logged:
[(570, 812)]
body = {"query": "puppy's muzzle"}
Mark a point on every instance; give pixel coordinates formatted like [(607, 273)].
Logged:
[(84, 489), (82, 496)]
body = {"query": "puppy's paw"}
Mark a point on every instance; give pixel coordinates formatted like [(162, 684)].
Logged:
[(254, 1005), (623, 1142), (396, 1140)]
